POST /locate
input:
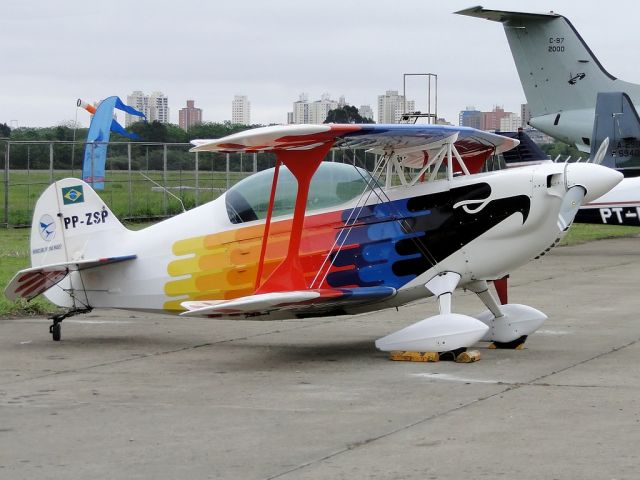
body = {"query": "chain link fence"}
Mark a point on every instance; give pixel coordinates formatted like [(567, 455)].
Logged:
[(143, 181)]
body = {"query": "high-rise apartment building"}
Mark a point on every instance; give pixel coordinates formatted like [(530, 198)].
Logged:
[(391, 106), (470, 117), (312, 112), (189, 116), (155, 107), (241, 110), (510, 122), (491, 120), (300, 112), (496, 119), (140, 102), (365, 111), (158, 108), (319, 109)]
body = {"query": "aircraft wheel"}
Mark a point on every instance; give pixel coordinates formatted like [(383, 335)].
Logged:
[(56, 331), (517, 344)]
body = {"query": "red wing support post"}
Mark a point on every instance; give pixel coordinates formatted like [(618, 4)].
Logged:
[(289, 275)]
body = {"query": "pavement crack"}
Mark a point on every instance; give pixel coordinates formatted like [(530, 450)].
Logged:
[(508, 388)]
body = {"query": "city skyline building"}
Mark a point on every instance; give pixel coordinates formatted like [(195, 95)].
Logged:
[(365, 111), (313, 112), (470, 117), (510, 122), (391, 106), (240, 110), (189, 116), (491, 120), (319, 109), (138, 100), (154, 106)]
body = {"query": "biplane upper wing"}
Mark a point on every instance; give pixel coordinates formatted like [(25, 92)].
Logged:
[(31, 282), (379, 138), (301, 301)]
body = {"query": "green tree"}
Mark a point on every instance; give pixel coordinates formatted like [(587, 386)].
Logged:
[(346, 114), (215, 130), (559, 148), (150, 131), (5, 130)]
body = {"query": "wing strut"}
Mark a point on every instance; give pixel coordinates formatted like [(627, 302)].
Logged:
[(288, 275)]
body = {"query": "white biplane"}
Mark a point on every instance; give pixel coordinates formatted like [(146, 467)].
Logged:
[(309, 238)]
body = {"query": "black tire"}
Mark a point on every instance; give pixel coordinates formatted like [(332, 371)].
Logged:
[(512, 345), (56, 331)]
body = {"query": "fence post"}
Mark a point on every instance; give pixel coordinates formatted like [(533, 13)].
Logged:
[(197, 195), (51, 163), (129, 170), (164, 178), (93, 146), (6, 185)]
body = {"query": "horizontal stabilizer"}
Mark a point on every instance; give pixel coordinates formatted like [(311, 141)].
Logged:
[(503, 15), (31, 282), (323, 299)]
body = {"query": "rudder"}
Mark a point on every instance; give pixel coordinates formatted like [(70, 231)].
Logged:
[(71, 222)]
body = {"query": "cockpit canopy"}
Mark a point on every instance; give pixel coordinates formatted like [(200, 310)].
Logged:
[(332, 184)]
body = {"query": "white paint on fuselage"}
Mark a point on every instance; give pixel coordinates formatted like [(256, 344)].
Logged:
[(139, 284)]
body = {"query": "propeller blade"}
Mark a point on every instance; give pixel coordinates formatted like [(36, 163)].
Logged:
[(570, 206), (602, 151)]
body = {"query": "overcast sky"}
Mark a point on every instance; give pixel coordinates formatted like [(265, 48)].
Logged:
[(271, 51)]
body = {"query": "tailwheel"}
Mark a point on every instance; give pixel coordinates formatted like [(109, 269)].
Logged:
[(517, 344), (56, 330)]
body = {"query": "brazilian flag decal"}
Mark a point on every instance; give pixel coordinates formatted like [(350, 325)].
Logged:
[(72, 195)]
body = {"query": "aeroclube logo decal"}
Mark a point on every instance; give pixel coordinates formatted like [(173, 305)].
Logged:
[(47, 227), (72, 195)]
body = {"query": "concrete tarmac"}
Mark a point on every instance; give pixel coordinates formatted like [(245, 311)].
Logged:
[(126, 395)]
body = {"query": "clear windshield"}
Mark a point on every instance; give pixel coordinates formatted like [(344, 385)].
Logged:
[(332, 184)]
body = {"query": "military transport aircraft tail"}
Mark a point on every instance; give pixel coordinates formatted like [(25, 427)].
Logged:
[(557, 69), (560, 75)]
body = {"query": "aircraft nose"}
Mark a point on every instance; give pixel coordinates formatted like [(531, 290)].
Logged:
[(596, 179)]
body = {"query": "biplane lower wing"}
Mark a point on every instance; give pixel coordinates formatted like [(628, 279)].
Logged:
[(31, 282), (300, 301)]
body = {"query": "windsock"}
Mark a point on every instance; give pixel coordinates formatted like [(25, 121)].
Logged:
[(89, 108)]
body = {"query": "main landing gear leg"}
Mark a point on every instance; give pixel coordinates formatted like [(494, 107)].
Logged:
[(443, 336), (509, 324), (55, 329)]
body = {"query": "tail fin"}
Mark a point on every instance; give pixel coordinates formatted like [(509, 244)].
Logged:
[(617, 119), (70, 223), (557, 69)]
